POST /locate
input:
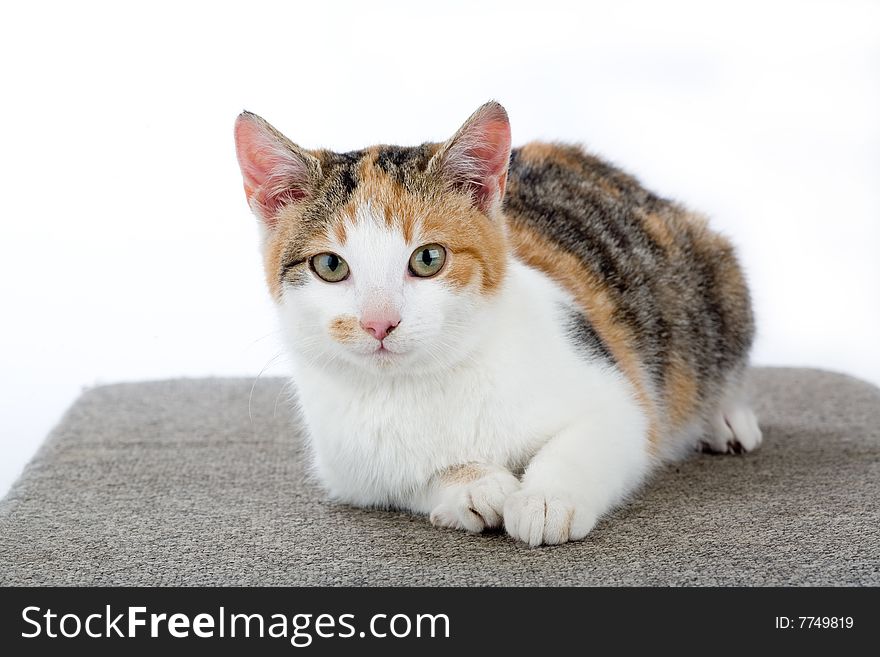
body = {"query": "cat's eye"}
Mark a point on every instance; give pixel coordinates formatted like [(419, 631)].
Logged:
[(427, 260), (329, 267)]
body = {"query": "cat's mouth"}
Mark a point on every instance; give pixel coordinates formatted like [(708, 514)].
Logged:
[(382, 351)]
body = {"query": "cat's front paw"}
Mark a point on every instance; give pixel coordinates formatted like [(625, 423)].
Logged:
[(538, 517), (476, 501)]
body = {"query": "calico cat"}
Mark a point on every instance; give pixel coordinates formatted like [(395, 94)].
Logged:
[(492, 336)]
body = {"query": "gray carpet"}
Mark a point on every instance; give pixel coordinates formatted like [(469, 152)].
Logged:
[(172, 483)]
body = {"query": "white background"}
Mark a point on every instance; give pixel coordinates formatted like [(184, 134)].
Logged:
[(127, 251)]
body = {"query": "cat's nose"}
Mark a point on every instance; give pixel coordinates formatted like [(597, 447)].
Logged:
[(381, 327)]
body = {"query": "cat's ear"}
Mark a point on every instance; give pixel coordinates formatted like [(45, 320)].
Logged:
[(475, 160), (276, 171)]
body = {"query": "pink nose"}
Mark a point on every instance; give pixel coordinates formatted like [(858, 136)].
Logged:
[(380, 328)]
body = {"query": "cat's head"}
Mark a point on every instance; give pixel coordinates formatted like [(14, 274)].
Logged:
[(387, 258)]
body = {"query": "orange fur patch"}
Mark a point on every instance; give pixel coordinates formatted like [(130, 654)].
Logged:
[(680, 391), (463, 267), (658, 227), (272, 264), (339, 230), (538, 151), (477, 244), (462, 474), (344, 328), (609, 188)]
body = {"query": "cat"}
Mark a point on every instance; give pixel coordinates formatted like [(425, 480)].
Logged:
[(495, 337)]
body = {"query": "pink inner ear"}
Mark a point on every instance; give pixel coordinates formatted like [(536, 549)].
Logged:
[(479, 155), (255, 155), (494, 153), (273, 175), (494, 148)]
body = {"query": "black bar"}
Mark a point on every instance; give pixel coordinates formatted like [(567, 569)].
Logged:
[(505, 621)]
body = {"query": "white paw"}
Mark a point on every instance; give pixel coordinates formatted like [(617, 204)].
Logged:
[(477, 505), (734, 430), (540, 518)]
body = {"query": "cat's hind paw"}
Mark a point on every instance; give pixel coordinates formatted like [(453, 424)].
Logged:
[(475, 505), (733, 430)]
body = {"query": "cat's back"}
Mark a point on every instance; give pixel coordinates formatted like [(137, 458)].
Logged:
[(578, 200), (663, 291)]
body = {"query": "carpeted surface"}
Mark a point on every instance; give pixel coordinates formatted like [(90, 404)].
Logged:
[(172, 483)]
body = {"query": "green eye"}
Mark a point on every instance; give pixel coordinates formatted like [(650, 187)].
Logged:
[(427, 260), (329, 267)]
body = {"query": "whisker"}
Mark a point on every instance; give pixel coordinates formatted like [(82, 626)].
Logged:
[(268, 364), (287, 385)]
